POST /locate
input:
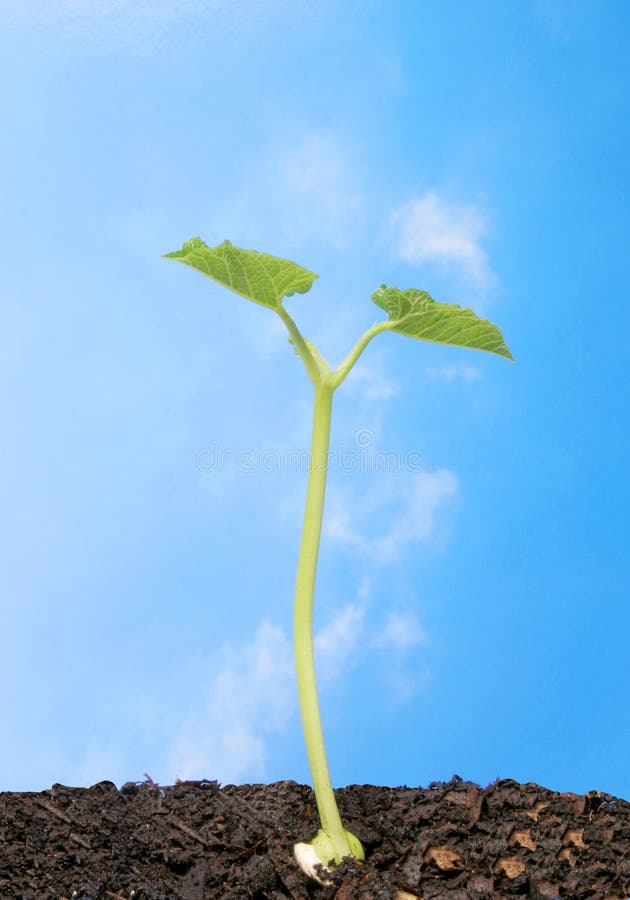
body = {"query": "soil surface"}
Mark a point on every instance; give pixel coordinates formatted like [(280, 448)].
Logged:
[(195, 840)]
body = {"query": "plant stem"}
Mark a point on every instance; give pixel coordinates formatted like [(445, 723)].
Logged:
[(344, 368), (303, 622), (310, 363)]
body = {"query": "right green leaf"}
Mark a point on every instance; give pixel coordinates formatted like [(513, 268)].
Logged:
[(416, 314)]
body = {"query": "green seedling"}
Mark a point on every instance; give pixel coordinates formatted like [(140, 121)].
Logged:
[(267, 280)]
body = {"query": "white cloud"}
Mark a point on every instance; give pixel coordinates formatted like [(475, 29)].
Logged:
[(251, 696), (432, 230), (406, 673), (304, 190), (254, 695), (336, 644), (320, 189), (401, 632), (427, 492), (338, 524), (461, 372), (403, 684), (416, 496), (372, 382)]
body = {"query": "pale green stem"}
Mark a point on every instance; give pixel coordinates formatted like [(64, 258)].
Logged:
[(303, 622), (300, 345), (344, 368)]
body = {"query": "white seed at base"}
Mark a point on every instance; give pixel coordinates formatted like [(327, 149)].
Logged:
[(307, 859)]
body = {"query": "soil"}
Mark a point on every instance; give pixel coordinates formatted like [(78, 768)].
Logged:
[(196, 840)]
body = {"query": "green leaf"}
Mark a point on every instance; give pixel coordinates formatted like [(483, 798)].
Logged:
[(256, 276), (416, 314)]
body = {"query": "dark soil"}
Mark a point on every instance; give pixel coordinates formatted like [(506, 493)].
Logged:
[(195, 840)]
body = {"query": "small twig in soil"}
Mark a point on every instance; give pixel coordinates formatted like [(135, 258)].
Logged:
[(80, 840), (173, 820), (55, 811), (251, 850)]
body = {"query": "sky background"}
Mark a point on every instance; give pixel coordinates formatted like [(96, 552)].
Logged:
[(472, 611)]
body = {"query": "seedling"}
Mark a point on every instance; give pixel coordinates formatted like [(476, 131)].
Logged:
[(267, 280)]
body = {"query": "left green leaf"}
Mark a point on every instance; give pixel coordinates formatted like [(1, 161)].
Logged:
[(256, 276)]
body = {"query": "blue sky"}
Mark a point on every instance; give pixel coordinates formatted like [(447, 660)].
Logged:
[(472, 610)]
